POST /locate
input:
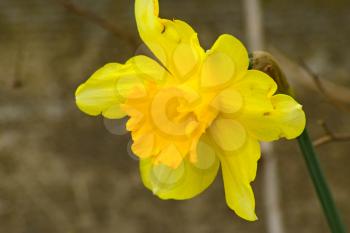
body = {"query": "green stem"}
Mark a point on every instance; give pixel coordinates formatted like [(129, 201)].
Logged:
[(264, 62), (320, 183)]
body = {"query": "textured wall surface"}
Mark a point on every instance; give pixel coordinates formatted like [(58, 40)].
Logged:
[(62, 171)]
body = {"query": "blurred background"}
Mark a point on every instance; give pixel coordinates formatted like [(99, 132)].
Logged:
[(62, 171)]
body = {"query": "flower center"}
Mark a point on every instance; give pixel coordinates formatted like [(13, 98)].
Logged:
[(168, 123), (172, 111)]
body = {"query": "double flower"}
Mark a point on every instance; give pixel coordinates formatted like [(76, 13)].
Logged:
[(192, 111)]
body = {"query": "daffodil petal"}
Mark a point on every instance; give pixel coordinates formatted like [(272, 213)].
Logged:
[(285, 120), (173, 42), (256, 89), (267, 116), (238, 153), (170, 156), (109, 86), (97, 95), (228, 134), (227, 60), (228, 101), (218, 70), (234, 49), (143, 146), (238, 170), (185, 181)]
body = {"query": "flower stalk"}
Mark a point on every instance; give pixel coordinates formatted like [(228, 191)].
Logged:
[(264, 62), (322, 189)]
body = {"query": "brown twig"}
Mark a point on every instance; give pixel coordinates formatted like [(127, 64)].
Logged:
[(103, 23), (322, 89), (17, 76), (299, 76), (330, 136)]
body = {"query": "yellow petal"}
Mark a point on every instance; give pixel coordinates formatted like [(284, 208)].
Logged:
[(149, 69), (164, 119), (170, 156), (97, 95), (287, 119), (265, 116), (256, 89), (238, 170), (226, 60), (187, 180), (228, 101), (143, 146), (218, 70), (228, 134), (135, 118), (114, 112), (108, 87), (174, 43)]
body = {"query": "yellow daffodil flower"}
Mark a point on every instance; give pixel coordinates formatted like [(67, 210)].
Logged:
[(192, 111)]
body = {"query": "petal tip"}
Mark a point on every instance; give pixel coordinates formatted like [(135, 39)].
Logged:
[(248, 215)]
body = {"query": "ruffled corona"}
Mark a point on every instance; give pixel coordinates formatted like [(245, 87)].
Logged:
[(192, 112)]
